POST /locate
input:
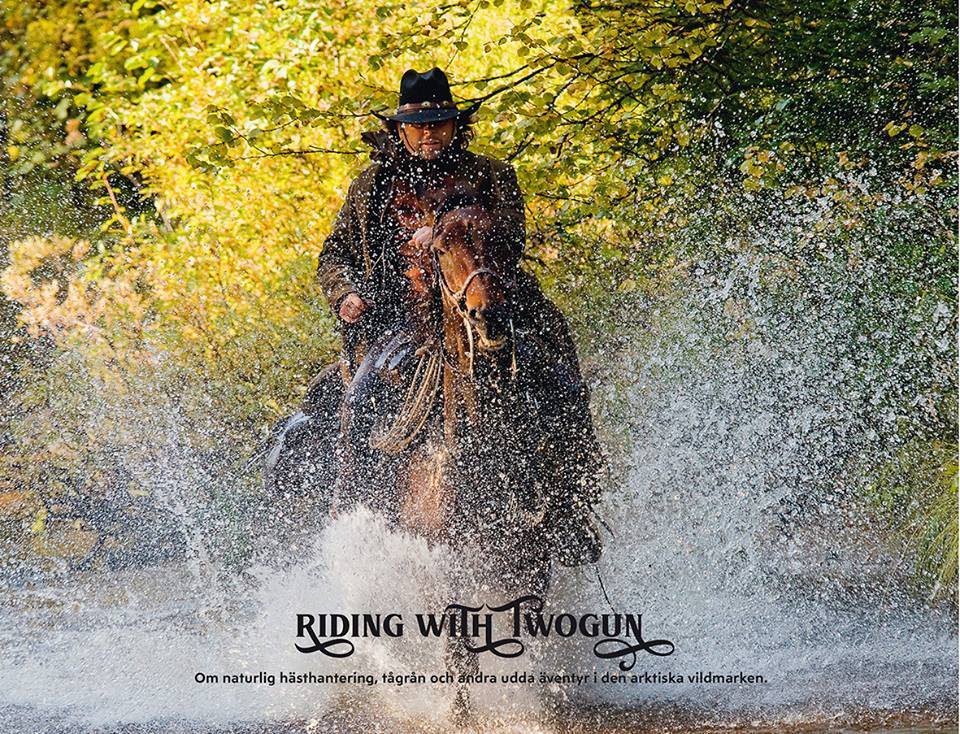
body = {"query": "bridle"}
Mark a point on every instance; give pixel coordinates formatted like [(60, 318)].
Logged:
[(458, 298)]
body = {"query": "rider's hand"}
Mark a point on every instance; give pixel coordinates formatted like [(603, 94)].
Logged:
[(352, 307), (423, 236)]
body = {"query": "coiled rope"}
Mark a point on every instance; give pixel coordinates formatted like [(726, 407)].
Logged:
[(416, 406)]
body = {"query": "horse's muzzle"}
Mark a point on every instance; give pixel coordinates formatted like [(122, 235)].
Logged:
[(492, 326)]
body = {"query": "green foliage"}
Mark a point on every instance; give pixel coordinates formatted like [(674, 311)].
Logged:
[(917, 491)]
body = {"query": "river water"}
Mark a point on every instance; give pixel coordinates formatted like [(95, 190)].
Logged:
[(118, 652)]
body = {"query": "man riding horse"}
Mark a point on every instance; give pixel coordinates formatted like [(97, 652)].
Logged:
[(372, 267)]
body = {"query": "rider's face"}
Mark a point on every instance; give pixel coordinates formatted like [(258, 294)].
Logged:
[(427, 139)]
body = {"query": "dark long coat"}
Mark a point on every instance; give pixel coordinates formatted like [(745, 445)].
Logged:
[(356, 255)]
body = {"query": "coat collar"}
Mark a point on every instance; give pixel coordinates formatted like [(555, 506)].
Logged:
[(384, 146)]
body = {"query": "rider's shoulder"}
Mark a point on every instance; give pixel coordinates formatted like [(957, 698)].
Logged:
[(363, 181), (369, 172), (491, 164)]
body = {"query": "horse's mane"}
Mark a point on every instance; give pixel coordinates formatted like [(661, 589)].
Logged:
[(445, 200)]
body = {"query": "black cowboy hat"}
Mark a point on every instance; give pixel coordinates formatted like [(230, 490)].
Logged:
[(426, 98)]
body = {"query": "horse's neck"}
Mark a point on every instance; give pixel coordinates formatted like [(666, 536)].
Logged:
[(460, 390), (477, 387)]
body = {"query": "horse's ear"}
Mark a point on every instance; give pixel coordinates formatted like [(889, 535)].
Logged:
[(501, 238)]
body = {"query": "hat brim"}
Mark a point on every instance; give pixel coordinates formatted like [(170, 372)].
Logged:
[(425, 115), (431, 115)]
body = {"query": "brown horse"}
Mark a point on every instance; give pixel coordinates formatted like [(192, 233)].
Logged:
[(467, 423), (453, 426)]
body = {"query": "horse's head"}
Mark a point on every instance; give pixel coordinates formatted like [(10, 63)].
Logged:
[(473, 272)]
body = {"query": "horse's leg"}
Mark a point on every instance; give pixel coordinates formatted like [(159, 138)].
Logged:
[(537, 576), (426, 499), (425, 506), (457, 660), (460, 662)]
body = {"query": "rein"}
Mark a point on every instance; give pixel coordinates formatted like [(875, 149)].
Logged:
[(416, 405)]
